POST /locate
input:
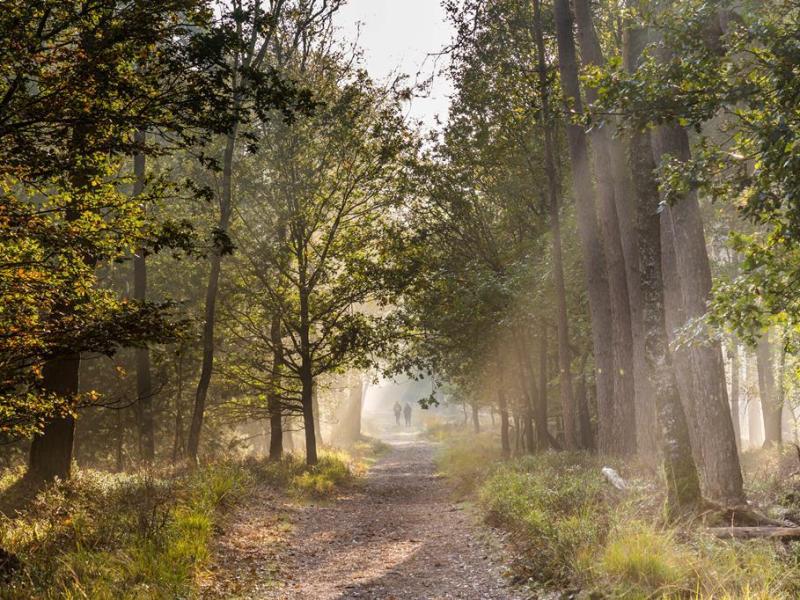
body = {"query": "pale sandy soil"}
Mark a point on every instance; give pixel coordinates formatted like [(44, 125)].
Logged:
[(398, 536)]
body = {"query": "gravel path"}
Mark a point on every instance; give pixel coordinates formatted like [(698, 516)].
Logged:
[(397, 537)]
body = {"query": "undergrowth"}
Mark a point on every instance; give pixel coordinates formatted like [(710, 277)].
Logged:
[(571, 531), (108, 536)]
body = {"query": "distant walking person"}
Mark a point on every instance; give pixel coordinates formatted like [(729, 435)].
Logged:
[(397, 410), (407, 414)]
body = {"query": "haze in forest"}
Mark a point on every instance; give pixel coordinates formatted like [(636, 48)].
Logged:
[(407, 38), (326, 299)]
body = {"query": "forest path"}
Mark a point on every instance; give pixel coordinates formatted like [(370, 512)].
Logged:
[(398, 536)]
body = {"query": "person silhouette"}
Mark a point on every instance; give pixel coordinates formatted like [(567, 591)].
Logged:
[(397, 411), (407, 414)]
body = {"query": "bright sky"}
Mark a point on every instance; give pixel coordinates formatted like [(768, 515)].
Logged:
[(397, 36)]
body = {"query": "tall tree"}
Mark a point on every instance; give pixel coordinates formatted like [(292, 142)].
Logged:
[(69, 111), (683, 484), (549, 136), (771, 406), (144, 380), (254, 88), (604, 261)]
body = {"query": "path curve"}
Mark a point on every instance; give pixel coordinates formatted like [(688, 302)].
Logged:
[(399, 536)]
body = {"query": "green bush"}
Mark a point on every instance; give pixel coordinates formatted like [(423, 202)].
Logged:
[(571, 530), (333, 471), (555, 511)]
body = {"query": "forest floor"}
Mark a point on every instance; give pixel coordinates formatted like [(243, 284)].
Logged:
[(397, 535)]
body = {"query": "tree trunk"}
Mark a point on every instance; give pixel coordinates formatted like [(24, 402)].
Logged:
[(680, 470), (710, 418), (711, 427), (274, 400), (178, 448), (476, 419), (528, 392), (624, 440), (771, 408), (51, 450), (542, 433), (755, 422), (317, 415), (144, 380), (349, 429), (308, 418), (634, 41), (307, 379), (568, 408), (288, 434), (787, 416), (584, 419), (594, 259), (735, 402), (206, 370), (502, 407)]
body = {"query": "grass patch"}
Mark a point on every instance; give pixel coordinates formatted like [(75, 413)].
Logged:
[(334, 470), (119, 536), (465, 459), (109, 536), (572, 531)]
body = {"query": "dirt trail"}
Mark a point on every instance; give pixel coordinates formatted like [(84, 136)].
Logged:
[(398, 536)]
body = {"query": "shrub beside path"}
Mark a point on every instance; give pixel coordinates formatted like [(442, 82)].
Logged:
[(398, 535)]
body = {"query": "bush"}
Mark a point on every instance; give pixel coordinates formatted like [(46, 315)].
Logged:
[(555, 510), (119, 536), (333, 471), (571, 530)]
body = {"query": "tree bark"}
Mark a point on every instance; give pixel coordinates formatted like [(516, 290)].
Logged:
[(634, 41), (307, 380), (178, 448), (317, 415), (207, 368), (735, 393), (624, 441), (51, 451), (144, 380), (771, 408), (710, 419), (541, 417), (584, 418), (274, 400), (502, 407), (594, 259), (568, 408), (683, 484), (476, 419)]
